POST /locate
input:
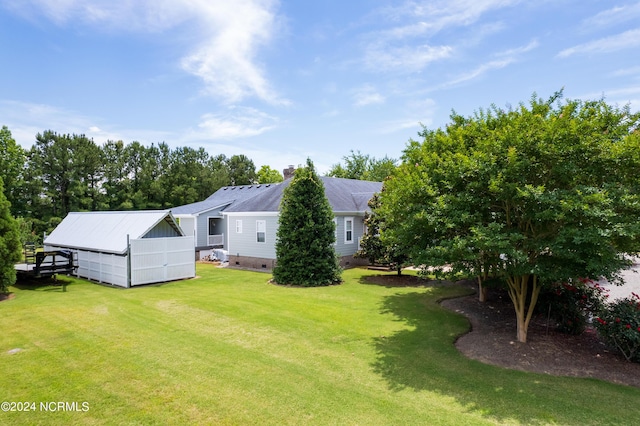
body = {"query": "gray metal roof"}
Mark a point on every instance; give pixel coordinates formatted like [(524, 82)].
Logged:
[(107, 231), (344, 195), (223, 197)]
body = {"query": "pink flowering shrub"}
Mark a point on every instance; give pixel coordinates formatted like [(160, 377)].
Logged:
[(571, 305), (619, 326)]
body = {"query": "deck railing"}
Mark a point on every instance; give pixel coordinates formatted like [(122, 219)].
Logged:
[(216, 240)]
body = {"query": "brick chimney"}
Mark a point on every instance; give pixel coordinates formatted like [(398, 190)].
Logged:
[(288, 172)]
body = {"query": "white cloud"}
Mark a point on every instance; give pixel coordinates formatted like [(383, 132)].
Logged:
[(366, 95), (237, 122), (477, 72), (131, 16), (331, 113), (502, 60), (633, 71), (25, 120), (405, 58), (614, 16), (627, 40), (417, 112), (621, 96), (405, 46), (429, 17), (518, 50), (227, 36), (226, 59)]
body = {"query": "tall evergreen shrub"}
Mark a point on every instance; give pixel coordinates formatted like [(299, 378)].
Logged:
[(305, 249)]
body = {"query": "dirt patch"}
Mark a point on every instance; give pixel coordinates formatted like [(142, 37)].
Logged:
[(492, 340)]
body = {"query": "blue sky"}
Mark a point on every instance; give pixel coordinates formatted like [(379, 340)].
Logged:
[(280, 81)]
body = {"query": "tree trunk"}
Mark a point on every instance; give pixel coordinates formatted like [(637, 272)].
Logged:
[(518, 290), (482, 291)]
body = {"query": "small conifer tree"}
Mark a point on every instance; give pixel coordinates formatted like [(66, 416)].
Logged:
[(305, 252)]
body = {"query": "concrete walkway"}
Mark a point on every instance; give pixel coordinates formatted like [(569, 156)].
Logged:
[(631, 282)]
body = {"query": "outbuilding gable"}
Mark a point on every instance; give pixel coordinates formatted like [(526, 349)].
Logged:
[(107, 232)]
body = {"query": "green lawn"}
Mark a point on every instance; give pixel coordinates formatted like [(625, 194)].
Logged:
[(229, 348)]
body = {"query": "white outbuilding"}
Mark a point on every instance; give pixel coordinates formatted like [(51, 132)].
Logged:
[(126, 249)]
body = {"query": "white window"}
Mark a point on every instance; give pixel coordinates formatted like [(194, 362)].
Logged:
[(238, 226), (348, 230), (261, 231), (335, 223)]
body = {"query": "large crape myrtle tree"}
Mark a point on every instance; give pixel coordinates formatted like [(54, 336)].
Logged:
[(530, 196)]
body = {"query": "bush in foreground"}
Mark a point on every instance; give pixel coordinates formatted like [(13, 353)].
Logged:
[(619, 326), (572, 304)]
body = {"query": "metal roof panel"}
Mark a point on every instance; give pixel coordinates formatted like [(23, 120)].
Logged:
[(107, 231)]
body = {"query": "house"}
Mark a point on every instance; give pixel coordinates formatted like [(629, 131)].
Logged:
[(243, 220), (205, 221), (125, 248)]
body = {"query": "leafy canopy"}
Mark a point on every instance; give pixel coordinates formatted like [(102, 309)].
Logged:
[(363, 167), (268, 175), (542, 193), (9, 243)]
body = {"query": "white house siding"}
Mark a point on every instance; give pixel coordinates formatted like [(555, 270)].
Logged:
[(161, 259), (188, 225), (100, 267), (245, 244), (99, 243), (152, 260), (202, 228), (246, 252)]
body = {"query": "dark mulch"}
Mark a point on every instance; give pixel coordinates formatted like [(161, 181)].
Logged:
[(6, 296), (492, 340)]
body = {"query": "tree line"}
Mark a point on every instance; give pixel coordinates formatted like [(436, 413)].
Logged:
[(61, 173)]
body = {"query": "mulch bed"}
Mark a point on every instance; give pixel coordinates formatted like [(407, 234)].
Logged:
[(6, 296), (492, 339)]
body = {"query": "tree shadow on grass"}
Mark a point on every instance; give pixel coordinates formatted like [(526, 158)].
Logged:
[(394, 280), (423, 357), (59, 283)]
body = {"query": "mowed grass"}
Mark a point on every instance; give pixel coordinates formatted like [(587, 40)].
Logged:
[(229, 348)]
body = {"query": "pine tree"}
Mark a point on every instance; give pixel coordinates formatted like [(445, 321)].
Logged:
[(306, 234), (9, 244)]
